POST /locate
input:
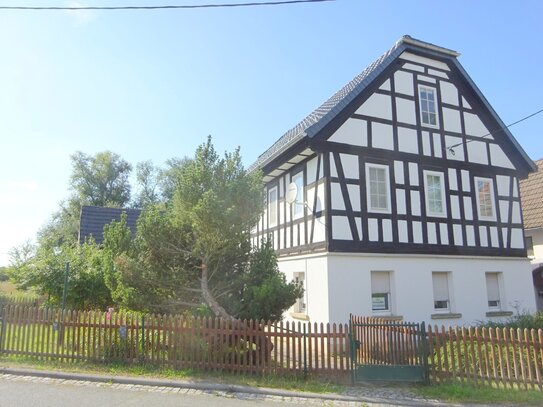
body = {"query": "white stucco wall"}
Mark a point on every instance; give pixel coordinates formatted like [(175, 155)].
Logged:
[(339, 284), (315, 268)]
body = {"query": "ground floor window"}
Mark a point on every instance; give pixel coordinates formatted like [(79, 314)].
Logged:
[(440, 281), (301, 306), (493, 290), (380, 291)]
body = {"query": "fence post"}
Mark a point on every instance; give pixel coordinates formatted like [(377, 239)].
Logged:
[(425, 352), (143, 344), (3, 329), (304, 336)]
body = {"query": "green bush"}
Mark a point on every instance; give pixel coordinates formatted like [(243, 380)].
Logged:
[(522, 320)]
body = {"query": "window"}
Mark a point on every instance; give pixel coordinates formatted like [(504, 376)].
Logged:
[(428, 106), (529, 246), (493, 290), (377, 182), (300, 305), (485, 198), (298, 205), (440, 281), (272, 207), (435, 193), (380, 291)]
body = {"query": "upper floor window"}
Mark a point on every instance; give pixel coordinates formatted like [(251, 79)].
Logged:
[(272, 206), (378, 188), (298, 205), (485, 198), (435, 193), (428, 106)]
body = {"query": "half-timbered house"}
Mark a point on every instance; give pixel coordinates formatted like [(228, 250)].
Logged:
[(406, 197)]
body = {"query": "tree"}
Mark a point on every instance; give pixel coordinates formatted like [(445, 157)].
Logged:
[(148, 181), (197, 250), (100, 180), (44, 270)]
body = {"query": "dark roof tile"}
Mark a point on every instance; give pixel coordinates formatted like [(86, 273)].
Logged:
[(93, 219)]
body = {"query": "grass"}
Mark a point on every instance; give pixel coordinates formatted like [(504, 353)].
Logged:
[(466, 393), (8, 288), (296, 383)]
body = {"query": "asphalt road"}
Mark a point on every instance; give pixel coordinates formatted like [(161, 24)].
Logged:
[(38, 394)]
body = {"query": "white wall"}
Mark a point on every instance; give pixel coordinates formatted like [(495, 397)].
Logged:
[(537, 239), (316, 283), (341, 285)]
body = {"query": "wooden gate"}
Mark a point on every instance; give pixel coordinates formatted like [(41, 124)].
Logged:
[(392, 351)]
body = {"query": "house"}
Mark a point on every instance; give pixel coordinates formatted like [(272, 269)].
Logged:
[(531, 191), (399, 197), (93, 219)]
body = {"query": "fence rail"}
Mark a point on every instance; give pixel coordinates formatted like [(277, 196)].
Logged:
[(175, 341), (499, 357), (502, 357)]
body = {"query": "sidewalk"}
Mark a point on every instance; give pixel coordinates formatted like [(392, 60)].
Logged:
[(373, 395)]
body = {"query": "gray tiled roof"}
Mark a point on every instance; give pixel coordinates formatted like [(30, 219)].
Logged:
[(531, 190), (321, 116), (93, 219)]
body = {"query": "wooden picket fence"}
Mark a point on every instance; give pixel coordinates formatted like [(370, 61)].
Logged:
[(498, 357), (176, 341), (501, 357)]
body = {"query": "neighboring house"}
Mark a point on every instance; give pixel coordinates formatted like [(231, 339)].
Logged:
[(405, 207), (531, 191), (93, 219)]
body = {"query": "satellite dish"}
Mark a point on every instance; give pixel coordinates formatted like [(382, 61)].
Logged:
[(292, 191)]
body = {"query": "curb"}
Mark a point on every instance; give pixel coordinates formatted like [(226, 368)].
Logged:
[(211, 386)]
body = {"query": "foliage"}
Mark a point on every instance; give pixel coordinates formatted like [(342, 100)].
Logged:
[(469, 393), (45, 271), (196, 250), (266, 293), (3, 274), (521, 320), (100, 180)]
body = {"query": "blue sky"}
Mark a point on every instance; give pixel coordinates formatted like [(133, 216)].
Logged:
[(153, 84)]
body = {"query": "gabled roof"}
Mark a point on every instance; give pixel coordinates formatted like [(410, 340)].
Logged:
[(531, 191), (93, 219), (324, 114)]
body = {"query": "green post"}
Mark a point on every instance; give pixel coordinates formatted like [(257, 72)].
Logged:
[(65, 289)]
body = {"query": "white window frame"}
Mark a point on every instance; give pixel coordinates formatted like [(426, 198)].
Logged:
[(448, 299), (492, 198), (434, 90), (300, 306), (298, 205), (499, 305), (368, 188), (273, 221), (441, 176), (378, 297)]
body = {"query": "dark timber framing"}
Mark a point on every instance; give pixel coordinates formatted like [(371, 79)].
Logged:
[(460, 201)]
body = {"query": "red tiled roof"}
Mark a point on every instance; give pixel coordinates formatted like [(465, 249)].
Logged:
[(531, 192)]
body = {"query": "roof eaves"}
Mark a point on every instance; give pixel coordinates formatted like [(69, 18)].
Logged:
[(502, 125)]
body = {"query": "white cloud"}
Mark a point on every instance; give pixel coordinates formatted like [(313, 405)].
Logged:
[(80, 17)]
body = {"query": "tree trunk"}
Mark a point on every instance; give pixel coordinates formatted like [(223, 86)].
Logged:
[(261, 342)]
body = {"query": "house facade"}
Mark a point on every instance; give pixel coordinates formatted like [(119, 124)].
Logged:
[(397, 198), (531, 191)]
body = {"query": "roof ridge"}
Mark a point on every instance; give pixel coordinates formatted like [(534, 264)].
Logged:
[(320, 116)]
